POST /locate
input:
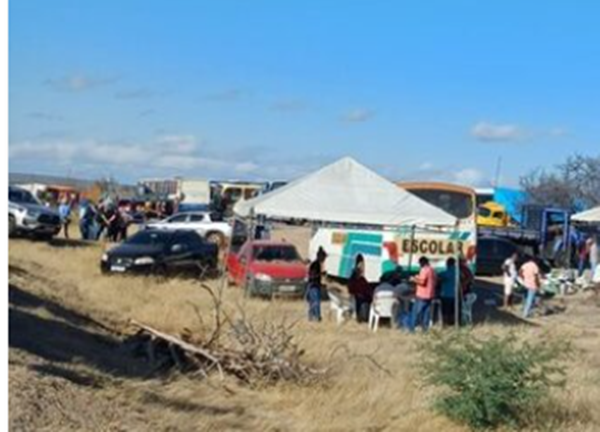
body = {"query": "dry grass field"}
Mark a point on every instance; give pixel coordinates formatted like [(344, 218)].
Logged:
[(70, 371)]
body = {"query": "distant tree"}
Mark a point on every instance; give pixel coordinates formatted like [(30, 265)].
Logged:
[(574, 184)]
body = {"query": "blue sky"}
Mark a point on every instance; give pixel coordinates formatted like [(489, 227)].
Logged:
[(268, 89)]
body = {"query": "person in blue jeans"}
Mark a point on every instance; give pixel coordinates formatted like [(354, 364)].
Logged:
[(530, 275), (426, 282), (314, 286)]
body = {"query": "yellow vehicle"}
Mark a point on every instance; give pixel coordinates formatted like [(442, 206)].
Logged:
[(492, 214)]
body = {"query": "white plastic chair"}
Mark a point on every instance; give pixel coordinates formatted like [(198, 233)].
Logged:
[(339, 307), (384, 305), (467, 308)]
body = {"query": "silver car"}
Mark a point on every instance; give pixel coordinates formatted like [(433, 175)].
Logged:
[(26, 215)]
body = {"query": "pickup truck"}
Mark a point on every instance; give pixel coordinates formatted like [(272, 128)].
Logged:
[(27, 216)]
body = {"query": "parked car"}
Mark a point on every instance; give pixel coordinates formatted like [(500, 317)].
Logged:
[(162, 252), (267, 268), (27, 216), (493, 251), (207, 225)]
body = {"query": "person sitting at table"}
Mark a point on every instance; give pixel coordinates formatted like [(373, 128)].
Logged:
[(426, 282), (394, 282), (359, 287)]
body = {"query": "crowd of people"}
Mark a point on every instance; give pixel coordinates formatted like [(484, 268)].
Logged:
[(107, 219), (415, 295)]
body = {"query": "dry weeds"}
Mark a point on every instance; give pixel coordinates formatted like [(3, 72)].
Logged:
[(67, 371)]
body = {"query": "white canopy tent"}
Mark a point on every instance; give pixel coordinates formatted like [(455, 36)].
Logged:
[(345, 192), (588, 216)]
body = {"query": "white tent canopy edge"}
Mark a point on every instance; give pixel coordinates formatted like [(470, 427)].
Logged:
[(345, 192)]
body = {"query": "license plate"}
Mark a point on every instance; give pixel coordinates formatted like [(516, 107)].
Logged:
[(119, 269), (287, 288)]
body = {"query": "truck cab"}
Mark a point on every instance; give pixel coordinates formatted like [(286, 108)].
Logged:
[(492, 214)]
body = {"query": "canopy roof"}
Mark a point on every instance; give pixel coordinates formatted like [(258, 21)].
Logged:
[(591, 216), (345, 192)]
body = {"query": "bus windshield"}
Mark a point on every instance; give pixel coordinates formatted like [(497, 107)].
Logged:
[(458, 204)]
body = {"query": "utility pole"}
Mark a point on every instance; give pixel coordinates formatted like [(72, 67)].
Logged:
[(498, 170)]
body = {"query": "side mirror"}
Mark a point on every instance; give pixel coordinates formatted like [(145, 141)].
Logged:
[(176, 248)]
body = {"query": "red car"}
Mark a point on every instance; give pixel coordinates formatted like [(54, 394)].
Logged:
[(267, 268)]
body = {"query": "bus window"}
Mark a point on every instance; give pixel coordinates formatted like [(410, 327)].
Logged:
[(250, 193), (458, 204)]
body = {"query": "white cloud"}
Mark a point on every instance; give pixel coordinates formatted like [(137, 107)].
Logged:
[(468, 176), (78, 83), (494, 132), (358, 115), (164, 155), (486, 131)]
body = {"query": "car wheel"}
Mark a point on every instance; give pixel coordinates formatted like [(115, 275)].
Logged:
[(12, 226), (216, 238)]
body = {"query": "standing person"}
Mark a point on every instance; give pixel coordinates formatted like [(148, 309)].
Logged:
[(530, 275), (123, 224), (466, 277), (315, 285), (64, 211), (426, 282), (509, 270), (359, 287), (594, 253), (584, 255), (113, 224), (448, 291)]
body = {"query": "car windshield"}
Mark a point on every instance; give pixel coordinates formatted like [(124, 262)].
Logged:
[(485, 212), (459, 205), (21, 196), (276, 253), (151, 238)]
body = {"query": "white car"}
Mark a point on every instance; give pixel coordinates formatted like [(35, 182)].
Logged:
[(208, 225)]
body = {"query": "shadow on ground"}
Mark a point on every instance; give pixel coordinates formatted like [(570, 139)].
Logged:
[(488, 308), (64, 337), (70, 243)]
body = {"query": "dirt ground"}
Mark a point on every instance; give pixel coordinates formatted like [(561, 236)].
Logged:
[(70, 370)]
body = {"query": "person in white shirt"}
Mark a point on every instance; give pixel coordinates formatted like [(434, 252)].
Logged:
[(509, 269)]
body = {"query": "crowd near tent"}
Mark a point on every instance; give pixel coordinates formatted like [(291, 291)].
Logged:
[(589, 216), (345, 192)]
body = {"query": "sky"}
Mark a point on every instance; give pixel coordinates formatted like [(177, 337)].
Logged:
[(253, 89)]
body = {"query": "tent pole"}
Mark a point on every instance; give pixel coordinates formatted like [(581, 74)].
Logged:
[(457, 293), (410, 255)]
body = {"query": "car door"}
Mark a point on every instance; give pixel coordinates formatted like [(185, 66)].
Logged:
[(180, 254), (198, 222)]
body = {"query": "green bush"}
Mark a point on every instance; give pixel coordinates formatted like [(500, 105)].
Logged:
[(492, 382)]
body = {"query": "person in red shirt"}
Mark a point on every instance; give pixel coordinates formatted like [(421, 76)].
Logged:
[(426, 282)]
